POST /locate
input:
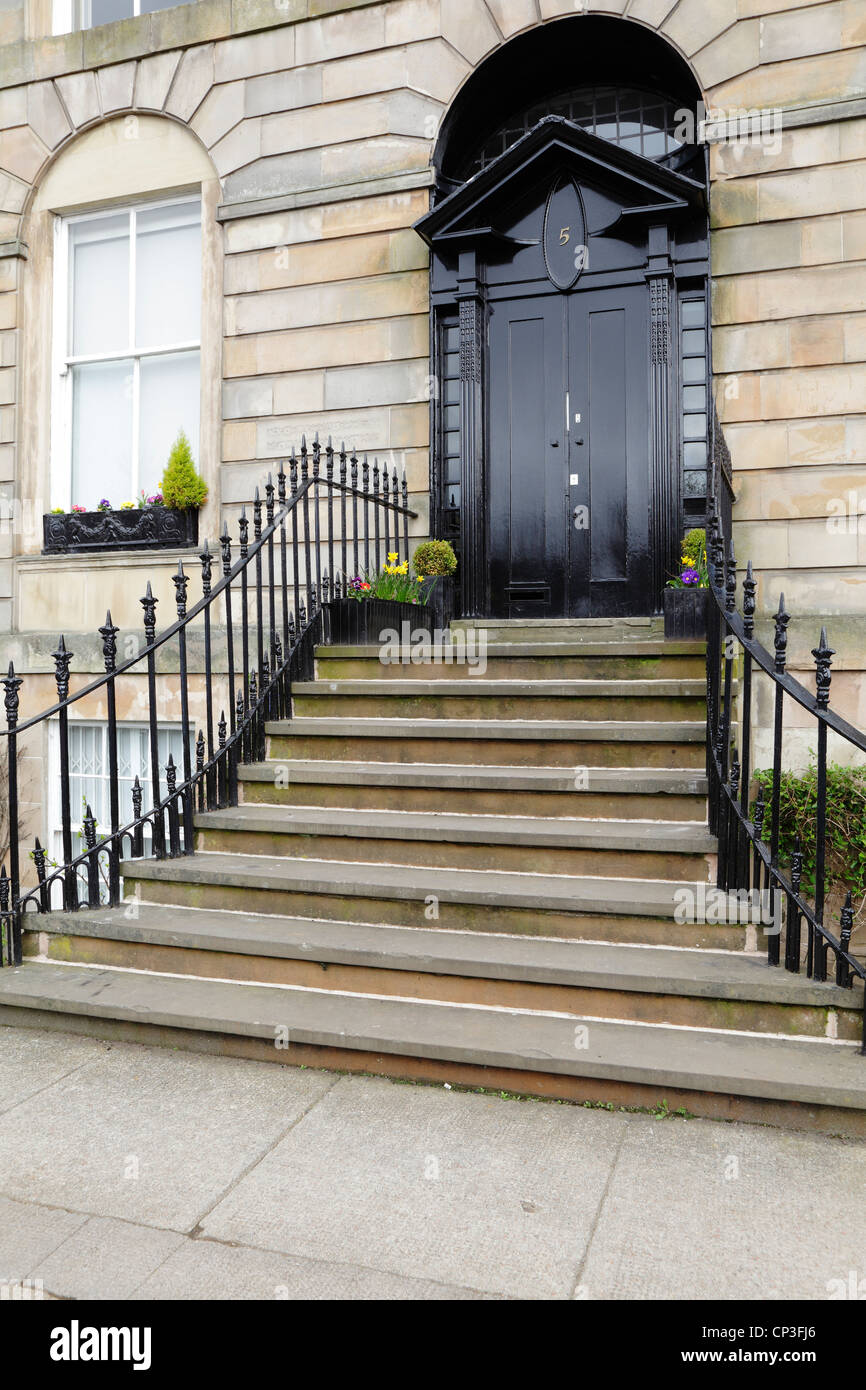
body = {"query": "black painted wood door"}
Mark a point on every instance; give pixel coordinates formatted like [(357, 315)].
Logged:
[(568, 455)]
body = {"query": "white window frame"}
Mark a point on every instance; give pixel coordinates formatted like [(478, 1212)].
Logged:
[(64, 359), (69, 15)]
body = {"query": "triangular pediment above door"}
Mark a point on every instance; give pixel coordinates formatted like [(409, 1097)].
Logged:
[(555, 147)]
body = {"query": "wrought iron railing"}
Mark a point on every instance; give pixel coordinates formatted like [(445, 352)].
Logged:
[(749, 835), (328, 511)]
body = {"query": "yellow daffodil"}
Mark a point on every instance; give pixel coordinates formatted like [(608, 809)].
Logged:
[(392, 556)]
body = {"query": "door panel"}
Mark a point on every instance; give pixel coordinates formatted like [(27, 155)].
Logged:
[(568, 393), (527, 457), (609, 569)]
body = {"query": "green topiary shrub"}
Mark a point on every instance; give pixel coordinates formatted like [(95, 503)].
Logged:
[(435, 558), (694, 545), (182, 487), (845, 865)]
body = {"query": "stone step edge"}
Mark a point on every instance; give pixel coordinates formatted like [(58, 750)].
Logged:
[(690, 973), (530, 688), (522, 650), (502, 730), (809, 1071), (651, 837), (615, 897), (459, 777)]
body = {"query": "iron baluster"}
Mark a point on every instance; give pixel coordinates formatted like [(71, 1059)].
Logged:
[(823, 655), (354, 481), (108, 632), (9, 918), (244, 539), (206, 567), (305, 476), (365, 476), (272, 590), (181, 584), (344, 554), (317, 460), (329, 484), (149, 603)]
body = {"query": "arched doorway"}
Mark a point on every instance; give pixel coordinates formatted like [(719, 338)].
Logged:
[(569, 292)]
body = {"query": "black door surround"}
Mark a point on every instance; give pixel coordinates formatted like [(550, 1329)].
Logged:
[(645, 230)]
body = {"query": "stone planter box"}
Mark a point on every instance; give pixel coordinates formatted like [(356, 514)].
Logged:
[(685, 612), (358, 622), (146, 528)]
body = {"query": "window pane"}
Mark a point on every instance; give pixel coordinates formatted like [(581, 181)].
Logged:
[(102, 433), (147, 5), (694, 426), (694, 369), (169, 403), (693, 313), (99, 249), (694, 398), (104, 11), (693, 340), (168, 275), (86, 773)]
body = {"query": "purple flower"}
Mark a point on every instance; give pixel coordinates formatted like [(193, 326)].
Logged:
[(103, 505), (690, 577)]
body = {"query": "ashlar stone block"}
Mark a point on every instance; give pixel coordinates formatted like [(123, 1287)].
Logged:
[(154, 79), (467, 25), (221, 110), (45, 114), (22, 153), (248, 55), (80, 97), (512, 15), (193, 81), (115, 86)]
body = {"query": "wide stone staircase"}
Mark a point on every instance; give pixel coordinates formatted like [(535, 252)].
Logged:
[(484, 874)]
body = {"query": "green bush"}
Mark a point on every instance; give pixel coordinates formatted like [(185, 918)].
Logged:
[(845, 846), (435, 558), (182, 487), (694, 546)]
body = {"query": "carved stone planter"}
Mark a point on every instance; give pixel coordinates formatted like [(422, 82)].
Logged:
[(685, 612), (146, 528)]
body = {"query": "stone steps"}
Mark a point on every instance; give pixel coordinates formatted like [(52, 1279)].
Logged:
[(490, 878), (647, 660), (683, 851), (805, 1082), (709, 989), (516, 743), (638, 700), (581, 908), (660, 794)]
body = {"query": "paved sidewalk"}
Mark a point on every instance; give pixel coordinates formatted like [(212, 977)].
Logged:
[(137, 1172)]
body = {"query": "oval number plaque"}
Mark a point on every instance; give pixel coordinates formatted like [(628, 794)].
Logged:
[(564, 233)]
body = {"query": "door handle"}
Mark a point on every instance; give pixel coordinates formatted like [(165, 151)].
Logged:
[(578, 441)]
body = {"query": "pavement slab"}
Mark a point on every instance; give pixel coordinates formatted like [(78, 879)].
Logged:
[(148, 1134), (205, 1269), (461, 1188), (701, 1210)]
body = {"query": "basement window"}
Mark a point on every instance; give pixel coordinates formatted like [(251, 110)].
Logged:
[(88, 780)]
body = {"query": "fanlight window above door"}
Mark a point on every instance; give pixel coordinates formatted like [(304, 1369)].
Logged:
[(638, 120)]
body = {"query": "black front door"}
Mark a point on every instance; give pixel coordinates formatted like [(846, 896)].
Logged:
[(569, 455)]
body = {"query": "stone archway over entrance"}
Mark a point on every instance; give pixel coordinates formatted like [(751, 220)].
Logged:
[(569, 291)]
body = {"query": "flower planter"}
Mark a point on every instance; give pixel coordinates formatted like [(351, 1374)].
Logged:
[(358, 622), (685, 612), (146, 528)]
